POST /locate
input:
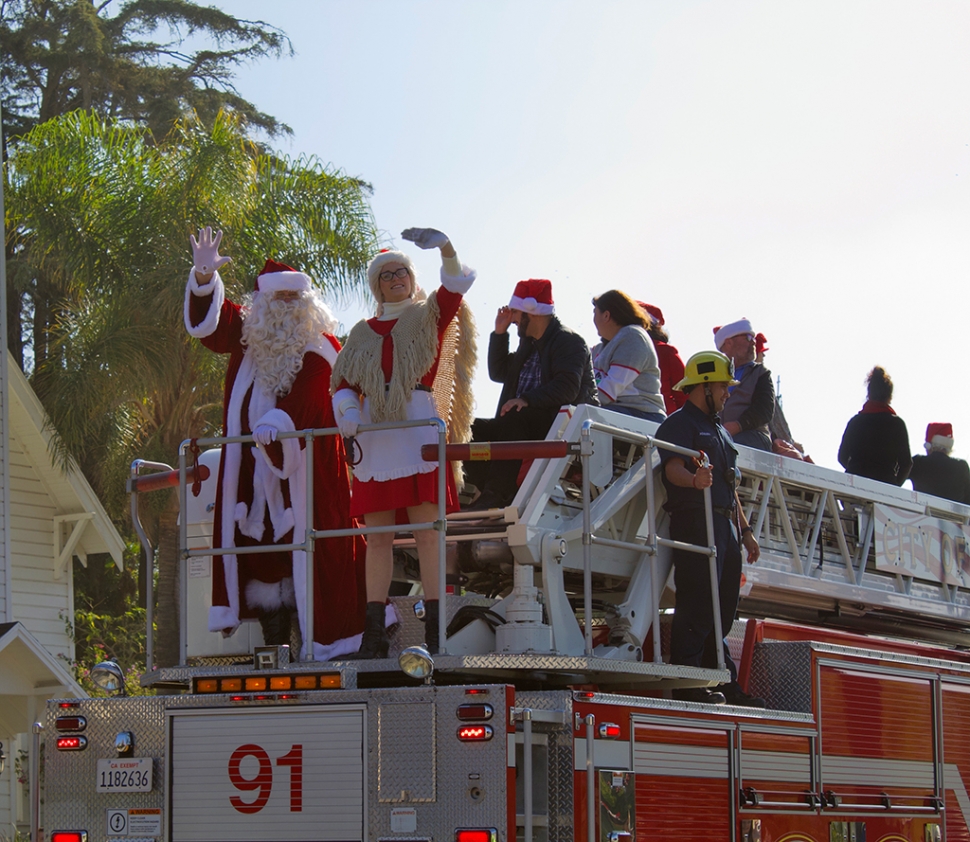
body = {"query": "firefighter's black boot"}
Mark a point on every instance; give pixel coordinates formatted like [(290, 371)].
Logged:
[(375, 641), (276, 626), (431, 625)]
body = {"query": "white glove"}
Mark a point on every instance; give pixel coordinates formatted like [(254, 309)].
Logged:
[(349, 422), (264, 434), (426, 238), (205, 251)]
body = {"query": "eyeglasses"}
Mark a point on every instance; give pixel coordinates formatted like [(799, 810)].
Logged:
[(397, 273)]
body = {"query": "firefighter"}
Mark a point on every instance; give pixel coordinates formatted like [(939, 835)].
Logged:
[(696, 425)]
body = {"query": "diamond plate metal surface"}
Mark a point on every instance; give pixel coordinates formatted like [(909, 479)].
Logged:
[(406, 768), (560, 759), (781, 673)]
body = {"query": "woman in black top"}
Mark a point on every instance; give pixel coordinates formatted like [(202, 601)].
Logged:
[(875, 443)]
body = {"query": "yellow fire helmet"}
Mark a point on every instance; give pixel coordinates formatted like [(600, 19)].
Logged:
[(707, 367)]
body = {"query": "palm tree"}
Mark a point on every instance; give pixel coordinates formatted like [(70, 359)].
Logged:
[(103, 214)]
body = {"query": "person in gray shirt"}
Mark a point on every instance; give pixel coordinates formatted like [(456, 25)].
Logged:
[(625, 362)]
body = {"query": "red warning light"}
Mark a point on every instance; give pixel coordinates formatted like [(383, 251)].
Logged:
[(475, 733), (609, 730), (74, 743), (69, 836), (474, 834)]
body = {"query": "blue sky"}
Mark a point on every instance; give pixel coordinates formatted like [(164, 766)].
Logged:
[(806, 165)]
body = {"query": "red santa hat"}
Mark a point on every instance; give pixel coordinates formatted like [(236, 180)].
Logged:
[(380, 259), (939, 437), (655, 312), (533, 296), (723, 334), (276, 277)]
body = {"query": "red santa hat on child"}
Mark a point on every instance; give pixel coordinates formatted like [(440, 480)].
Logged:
[(276, 277), (723, 334), (533, 296), (939, 437)]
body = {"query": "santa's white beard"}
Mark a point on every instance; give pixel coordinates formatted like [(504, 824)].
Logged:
[(276, 335)]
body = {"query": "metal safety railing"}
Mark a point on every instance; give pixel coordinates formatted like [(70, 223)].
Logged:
[(558, 449), (442, 453), (187, 474), (653, 539)]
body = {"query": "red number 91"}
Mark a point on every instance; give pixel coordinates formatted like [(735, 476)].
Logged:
[(263, 782)]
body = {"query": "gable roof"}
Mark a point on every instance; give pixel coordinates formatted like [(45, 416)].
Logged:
[(68, 489), (28, 670)]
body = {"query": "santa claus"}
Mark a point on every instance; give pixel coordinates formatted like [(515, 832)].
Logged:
[(281, 351)]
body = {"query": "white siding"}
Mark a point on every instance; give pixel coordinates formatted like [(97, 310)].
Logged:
[(40, 602)]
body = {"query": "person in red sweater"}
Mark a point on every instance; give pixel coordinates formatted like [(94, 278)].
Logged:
[(668, 358)]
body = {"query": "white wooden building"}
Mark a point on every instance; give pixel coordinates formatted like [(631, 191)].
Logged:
[(48, 517)]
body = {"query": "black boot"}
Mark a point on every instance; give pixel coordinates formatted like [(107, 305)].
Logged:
[(276, 626), (375, 641), (431, 625)]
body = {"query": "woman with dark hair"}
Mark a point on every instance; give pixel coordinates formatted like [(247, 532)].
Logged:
[(875, 443), (625, 362)]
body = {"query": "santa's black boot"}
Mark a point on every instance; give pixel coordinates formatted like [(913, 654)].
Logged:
[(276, 626), (431, 625), (375, 641)]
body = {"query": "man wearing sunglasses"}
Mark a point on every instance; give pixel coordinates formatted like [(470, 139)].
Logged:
[(751, 404)]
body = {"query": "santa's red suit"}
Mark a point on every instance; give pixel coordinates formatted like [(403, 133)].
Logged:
[(261, 494)]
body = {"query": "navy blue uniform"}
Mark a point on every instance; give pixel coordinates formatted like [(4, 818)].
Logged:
[(692, 640)]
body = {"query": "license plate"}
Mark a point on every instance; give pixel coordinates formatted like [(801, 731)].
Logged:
[(130, 774)]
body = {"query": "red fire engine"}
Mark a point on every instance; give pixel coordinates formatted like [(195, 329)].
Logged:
[(548, 713)]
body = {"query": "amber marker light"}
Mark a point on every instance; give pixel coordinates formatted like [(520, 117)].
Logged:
[(230, 685), (305, 682), (330, 681), (281, 682), (255, 683), (206, 685)]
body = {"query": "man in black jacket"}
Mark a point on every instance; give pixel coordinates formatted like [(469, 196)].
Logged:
[(550, 369)]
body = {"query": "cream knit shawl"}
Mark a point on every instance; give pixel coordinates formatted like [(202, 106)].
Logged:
[(415, 338)]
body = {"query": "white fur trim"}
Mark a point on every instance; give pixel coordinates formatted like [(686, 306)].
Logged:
[(530, 305), (347, 645), (721, 335), (391, 256), (278, 281), (944, 443), (268, 596), (223, 618), (291, 447), (344, 399), (459, 284), (217, 290)]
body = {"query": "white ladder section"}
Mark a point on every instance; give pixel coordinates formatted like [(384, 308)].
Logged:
[(835, 548)]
